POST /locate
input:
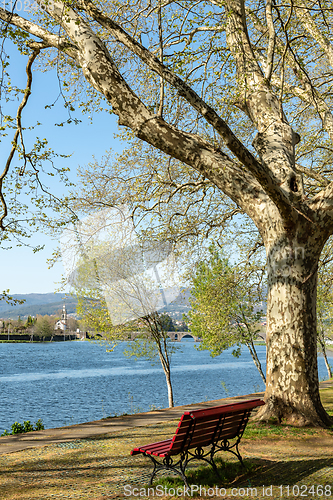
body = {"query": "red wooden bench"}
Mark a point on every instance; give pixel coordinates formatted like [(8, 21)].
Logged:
[(220, 428)]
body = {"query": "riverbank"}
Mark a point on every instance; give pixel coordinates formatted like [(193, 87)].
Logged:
[(99, 466), (19, 338), (89, 430)]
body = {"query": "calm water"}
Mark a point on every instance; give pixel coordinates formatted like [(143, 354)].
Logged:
[(71, 382)]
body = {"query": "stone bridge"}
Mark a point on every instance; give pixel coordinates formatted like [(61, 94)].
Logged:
[(182, 335), (176, 336)]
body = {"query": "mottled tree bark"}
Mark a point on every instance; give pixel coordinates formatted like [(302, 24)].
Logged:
[(292, 390)]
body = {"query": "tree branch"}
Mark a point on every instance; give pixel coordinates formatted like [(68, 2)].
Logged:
[(275, 140), (100, 70), (50, 39), (302, 12), (160, 34), (259, 170), (17, 134), (312, 174), (307, 93), (271, 41), (323, 201)]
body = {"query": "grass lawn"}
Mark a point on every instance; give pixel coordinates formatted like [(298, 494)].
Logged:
[(282, 462)]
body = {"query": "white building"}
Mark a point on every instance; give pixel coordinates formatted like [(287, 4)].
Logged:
[(62, 323)]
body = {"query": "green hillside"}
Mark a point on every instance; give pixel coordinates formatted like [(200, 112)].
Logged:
[(38, 303)]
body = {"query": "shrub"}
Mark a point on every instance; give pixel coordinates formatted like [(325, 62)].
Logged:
[(28, 427), (39, 425), (18, 428)]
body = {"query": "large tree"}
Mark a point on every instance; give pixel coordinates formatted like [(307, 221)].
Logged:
[(240, 92)]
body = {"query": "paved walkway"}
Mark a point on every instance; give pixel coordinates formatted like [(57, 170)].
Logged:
[(18, 442)]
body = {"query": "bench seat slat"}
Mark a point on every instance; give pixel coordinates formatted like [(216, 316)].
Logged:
[(201, 425), (205, 432), (184, 425), (200, 442), (158, 447), (216, 417), (232, 425)]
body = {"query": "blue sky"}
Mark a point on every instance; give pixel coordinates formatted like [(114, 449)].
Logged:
[(21, 270)]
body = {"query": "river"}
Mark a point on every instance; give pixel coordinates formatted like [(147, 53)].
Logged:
[(66, 383)]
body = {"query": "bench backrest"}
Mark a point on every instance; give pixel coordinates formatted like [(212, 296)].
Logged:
[(199, 428)]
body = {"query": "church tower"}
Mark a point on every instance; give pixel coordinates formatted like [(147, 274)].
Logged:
[(64, 317)]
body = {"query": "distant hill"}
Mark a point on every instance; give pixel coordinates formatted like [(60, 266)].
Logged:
[(51, 303), (37, 303), (179, 306)]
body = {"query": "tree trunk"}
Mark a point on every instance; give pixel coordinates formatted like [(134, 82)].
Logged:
[(166, 368), (328, 366), (321, 338), (292, 390), (256, 360), (170, 391), (160, 338)]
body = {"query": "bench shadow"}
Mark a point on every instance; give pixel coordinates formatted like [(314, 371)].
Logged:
[(260, 471)]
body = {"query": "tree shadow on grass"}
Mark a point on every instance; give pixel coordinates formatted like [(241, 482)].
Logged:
[(281, 472), (257, 472), (69, 473)]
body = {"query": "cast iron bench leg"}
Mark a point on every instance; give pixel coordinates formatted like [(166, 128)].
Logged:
[(225, 446), (167, 465), (213, 464)]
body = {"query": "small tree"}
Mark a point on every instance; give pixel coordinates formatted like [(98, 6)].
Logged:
[(29, 322), (223, 308), (151, 343), (43, 326), (117, 281), (92, 311), (151, 340), (166, 322)]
